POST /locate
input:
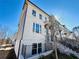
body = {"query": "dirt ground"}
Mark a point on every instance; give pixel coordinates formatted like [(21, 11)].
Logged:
[(7, 54)]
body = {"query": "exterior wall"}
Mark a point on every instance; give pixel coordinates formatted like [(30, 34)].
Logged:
[(30, 37), (30, 19), (19, 33), (72, 36), (64, 30)]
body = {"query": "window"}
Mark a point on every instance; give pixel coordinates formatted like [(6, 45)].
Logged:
[(33, 27), (23, 52), (45, 18), (40, 16), (34, 49), (46, 31), (37, 28), (39, 47), (40, 28), (65, 33), (33, 12)]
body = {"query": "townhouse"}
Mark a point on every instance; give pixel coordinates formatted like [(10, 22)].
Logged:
[(33, 40), (33, 37)]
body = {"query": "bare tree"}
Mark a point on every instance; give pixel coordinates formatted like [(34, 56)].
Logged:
[(53, 28), (3, 32)]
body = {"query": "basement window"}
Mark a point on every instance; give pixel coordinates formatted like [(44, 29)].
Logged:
[(34, 49), (39, 47)]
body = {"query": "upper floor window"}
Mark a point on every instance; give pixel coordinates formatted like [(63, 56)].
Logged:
[(45, 18), (40, 16), (40, 28), (33, 12), (36, 28), (33, 27)]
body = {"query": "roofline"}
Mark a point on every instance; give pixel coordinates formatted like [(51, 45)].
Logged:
[(35, 6), (39, 8)]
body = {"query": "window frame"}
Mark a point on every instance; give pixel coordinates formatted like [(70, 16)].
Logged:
[(34, 13), (34, 26), (34, 49), (40, 28), (39, 48), (40, 16), (37, 28), (45, 18)]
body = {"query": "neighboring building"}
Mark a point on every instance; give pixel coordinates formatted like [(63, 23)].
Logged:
[(64, 31), (61, 31), (72, 36)]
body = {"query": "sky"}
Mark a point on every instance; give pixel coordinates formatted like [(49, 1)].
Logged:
[(66, 11), (10, 11)]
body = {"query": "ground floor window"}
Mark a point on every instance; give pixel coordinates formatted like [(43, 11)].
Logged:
[(39, 47), (34, 49), (23, 52)]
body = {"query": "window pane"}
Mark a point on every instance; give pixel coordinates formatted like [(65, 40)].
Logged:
[(45, 18), (33, 26), (34, 45), (39, 45), (40, 28), (37, 28), (34, 49), (39, 48), (33, 12)]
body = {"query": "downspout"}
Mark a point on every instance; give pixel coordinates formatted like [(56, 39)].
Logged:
[(25, 14)]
